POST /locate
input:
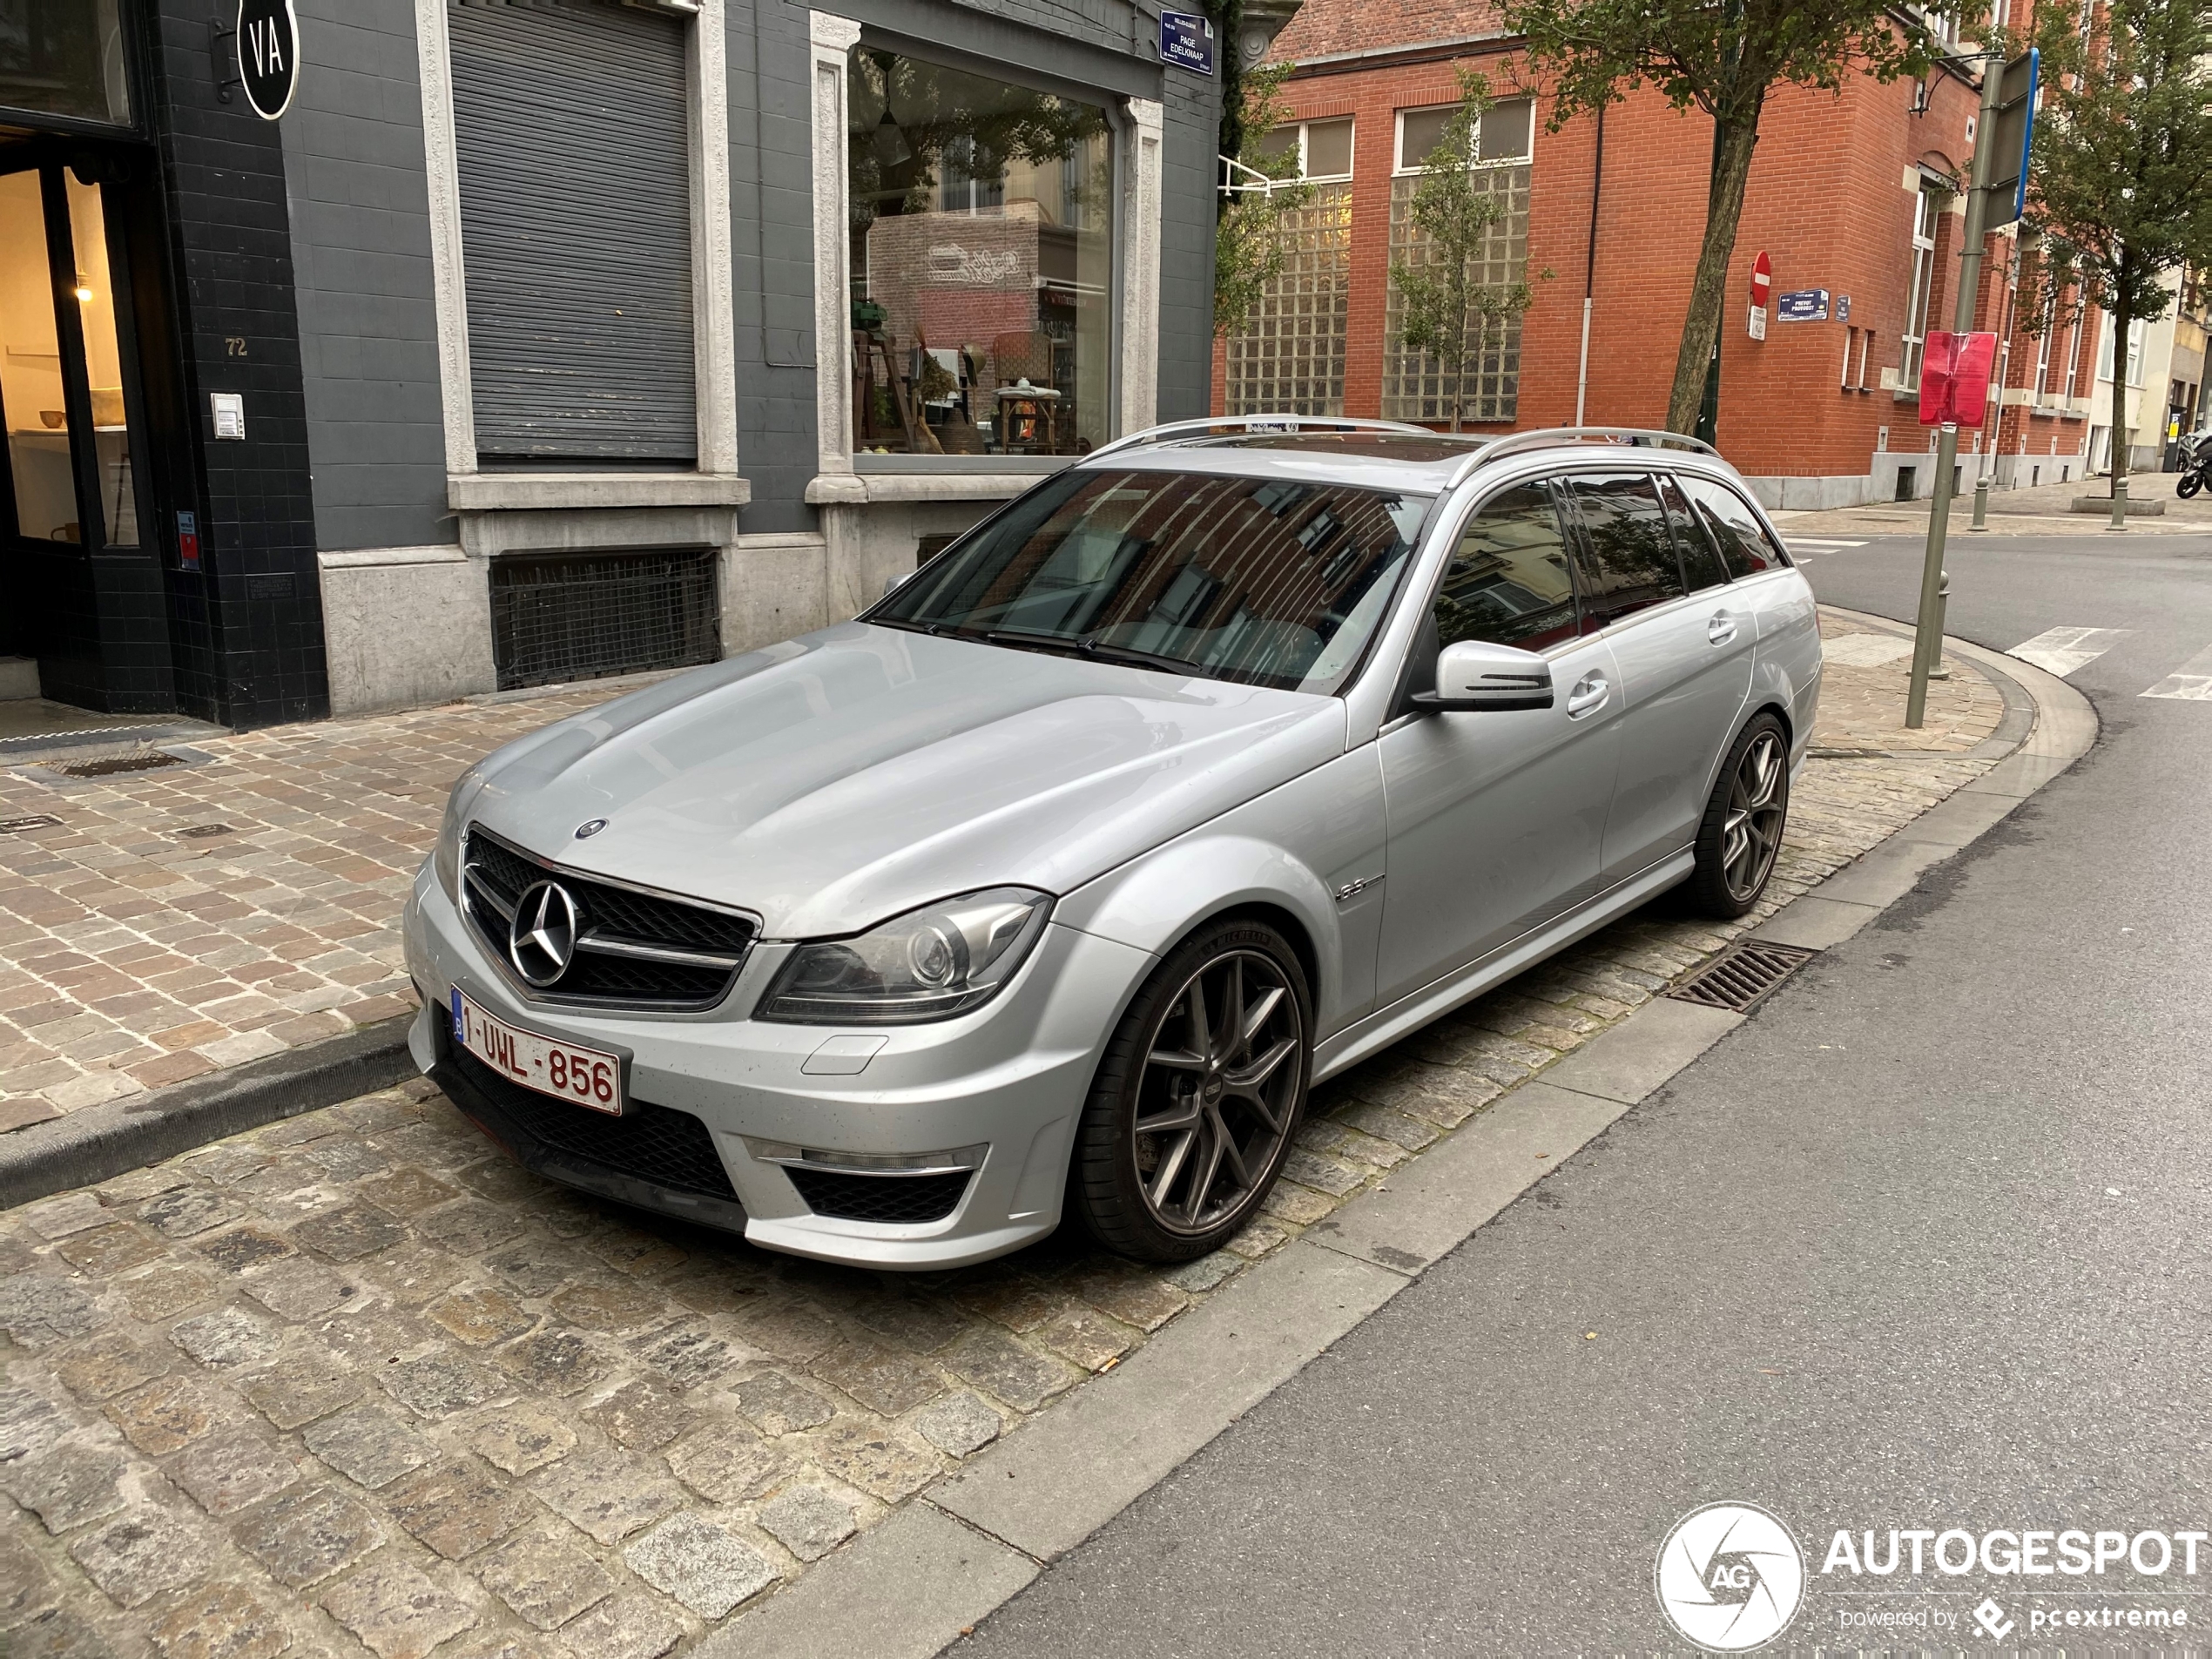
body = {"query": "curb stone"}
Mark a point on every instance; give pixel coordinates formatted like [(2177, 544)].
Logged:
[(1010, 1512), (100, 1143)]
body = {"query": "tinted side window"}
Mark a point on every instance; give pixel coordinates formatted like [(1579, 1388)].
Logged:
[(1701, 558), (1632, 563), (1508, 581), (1744, 543)]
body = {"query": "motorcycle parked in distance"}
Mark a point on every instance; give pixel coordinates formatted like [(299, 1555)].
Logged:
[(2196, 464)]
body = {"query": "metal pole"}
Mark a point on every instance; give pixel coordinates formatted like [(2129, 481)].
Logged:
[(1981, 501), (1928, 629)]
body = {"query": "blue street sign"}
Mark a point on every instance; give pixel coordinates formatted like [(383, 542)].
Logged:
[(2013, 130), (1186, 38), (1806, 305)]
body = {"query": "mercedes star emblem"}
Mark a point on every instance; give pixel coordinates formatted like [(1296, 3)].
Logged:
[(543, 937)]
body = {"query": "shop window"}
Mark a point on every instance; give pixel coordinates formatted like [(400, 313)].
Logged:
[(64, 57), (982, 262), (1289, 358), (1415, 385)]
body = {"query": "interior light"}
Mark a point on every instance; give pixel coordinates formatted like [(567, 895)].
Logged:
[(84, 292)]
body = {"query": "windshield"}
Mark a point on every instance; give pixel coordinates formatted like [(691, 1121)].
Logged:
[(1265, 580)]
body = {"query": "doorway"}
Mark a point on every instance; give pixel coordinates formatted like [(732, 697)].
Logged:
[(91, 612)]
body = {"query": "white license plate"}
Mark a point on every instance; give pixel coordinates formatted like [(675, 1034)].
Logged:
[(587, 1077)]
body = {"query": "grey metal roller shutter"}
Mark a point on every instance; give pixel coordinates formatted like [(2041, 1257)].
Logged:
[(570, 123)]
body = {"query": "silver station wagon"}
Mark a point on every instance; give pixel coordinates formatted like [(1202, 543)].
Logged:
[(1210, 766)]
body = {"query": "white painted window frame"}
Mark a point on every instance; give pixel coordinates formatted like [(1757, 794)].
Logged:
[(715, 480), (1305, 174), (1400, 166), (1137, 136)]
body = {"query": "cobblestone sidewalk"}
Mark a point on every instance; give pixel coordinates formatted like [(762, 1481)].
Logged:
[(175, 921), (349, 1383)]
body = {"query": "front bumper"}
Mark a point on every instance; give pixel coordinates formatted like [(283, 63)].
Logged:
[(1009, 1079)]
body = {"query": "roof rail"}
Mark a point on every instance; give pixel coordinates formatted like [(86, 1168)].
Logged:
[(1549, 437), (1256, 423)]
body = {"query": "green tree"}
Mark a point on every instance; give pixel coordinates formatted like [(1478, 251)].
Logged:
[(1724, 56), (1250, 243), (1449, 313), (2117, 183)]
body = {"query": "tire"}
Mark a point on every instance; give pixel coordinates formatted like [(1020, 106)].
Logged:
[(1188, 1125), (1741, 831), (2189, 484)]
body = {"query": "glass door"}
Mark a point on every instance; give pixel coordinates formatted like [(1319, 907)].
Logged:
[(63, 366), (70, 490)]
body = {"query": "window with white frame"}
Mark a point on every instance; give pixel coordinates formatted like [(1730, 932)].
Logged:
[(2043, 350), (1288, 358), (2136, 333), (1928, 204), (1415, 385)]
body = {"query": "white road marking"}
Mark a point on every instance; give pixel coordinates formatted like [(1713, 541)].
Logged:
[(2192, 681), (1865, 651), (1800, 545), (2061, 651)]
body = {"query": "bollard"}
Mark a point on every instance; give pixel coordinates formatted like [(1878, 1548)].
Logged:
[(1938, 671), (2119, 504), (1981, 503)]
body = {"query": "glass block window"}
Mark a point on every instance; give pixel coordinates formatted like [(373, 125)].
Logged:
[(1290, 359), (1415, 385)]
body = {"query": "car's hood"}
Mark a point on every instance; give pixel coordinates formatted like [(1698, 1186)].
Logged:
[(833, 781)]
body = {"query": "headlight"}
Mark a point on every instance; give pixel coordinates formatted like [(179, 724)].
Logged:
[(448, 857), (928, 964)]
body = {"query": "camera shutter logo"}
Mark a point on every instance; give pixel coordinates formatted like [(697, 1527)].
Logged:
[(1729, 1577)]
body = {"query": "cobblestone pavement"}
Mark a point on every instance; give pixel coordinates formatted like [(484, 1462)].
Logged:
[(351, 1382), (183, 919)]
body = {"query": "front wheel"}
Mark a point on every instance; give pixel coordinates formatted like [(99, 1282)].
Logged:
[(1196, 1101), (2189, 484), (1741, 833)]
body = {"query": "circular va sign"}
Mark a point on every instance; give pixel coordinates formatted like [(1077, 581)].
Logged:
[(268, 55)]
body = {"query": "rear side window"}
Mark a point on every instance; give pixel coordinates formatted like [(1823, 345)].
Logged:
[(1701, 556), (1508, 581), (1630, 565), (1744, 541)]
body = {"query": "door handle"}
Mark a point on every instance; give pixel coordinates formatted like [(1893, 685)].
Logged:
[(1721, 629), (1589, 695)]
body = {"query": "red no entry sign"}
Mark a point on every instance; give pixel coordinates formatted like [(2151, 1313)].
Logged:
[(1762, 278)]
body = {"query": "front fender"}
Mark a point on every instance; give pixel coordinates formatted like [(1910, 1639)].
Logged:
[(1154, 902)]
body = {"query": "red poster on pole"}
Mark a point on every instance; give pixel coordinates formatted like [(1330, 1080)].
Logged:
[(1954, 378)]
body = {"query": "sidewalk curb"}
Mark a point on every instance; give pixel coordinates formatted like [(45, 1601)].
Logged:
[(102, 1142), (1009, 1512)]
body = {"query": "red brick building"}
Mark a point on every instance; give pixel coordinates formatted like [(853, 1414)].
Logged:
[(1850, 193)]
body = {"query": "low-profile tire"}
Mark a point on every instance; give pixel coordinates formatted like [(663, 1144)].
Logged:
[(1741, 833), (1198, 1096)]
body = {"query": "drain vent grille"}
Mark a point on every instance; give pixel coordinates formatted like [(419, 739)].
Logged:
[(151, 760), (1741, 977)]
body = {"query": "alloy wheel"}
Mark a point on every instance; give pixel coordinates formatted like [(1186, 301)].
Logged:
[(1221, 1082), (1758, 801)]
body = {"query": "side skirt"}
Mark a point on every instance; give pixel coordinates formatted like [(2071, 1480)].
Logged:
[(1378, 1031)]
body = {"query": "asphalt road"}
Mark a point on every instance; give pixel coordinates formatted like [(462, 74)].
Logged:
[(1922, 1246)]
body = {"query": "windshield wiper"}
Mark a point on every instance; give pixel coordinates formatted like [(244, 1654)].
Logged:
[(1088, 645)]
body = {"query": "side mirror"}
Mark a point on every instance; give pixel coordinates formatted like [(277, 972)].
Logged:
[(1475, 674), (891, 583)]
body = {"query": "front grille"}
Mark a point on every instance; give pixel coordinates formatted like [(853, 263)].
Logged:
[(902, 1198), (1742, 976), (562, 616), (615, 924), (651, 1143)]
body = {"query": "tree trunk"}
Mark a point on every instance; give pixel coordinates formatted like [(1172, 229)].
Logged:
[(1708, 297), (2119, 435)]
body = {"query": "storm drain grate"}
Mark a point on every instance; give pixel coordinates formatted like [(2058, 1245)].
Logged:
[(1742, 977), (149, 761), (25, 825)]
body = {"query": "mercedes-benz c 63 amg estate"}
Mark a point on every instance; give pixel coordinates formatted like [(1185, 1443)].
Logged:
[(1207, 768)]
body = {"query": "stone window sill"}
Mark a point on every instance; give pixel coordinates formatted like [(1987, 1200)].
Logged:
[(481, 492)]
